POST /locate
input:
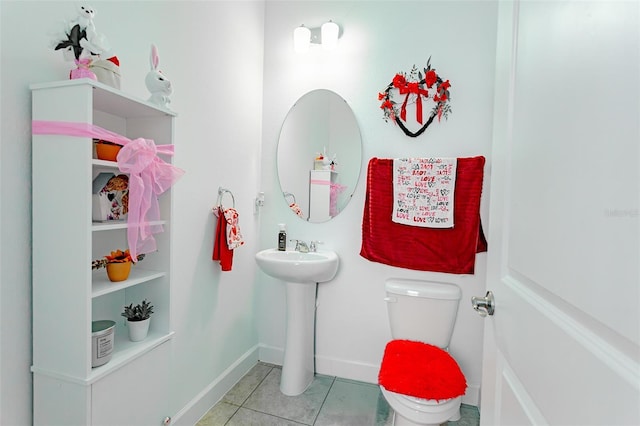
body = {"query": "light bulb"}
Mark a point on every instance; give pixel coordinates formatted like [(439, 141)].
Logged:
[(330, 32), (301, 39)]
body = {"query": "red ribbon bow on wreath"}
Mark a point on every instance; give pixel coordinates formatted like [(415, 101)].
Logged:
[(407, 89), (418, 87)]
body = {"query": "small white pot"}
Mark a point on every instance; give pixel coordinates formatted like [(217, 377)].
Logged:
[(138, 329)]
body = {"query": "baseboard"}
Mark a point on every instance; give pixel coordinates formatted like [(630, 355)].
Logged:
[(270, 354), (363, 372), (214, 392), (353, 370), (472, 395)]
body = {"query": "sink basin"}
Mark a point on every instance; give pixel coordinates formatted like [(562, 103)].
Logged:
[(293, 266)]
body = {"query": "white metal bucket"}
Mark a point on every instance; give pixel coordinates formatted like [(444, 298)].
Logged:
[(102, 336)]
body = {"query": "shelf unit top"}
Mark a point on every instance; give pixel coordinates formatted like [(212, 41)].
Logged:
[(107, 98)]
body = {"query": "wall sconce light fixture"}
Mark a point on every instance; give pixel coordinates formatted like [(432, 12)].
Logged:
[(327, 35)]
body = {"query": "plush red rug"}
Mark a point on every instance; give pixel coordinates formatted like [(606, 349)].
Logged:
[(420, 370)]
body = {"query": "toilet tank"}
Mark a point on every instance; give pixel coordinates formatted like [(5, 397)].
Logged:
[(423, 311)]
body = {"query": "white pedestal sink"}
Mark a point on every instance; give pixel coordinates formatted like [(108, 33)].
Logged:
[(301, 272)]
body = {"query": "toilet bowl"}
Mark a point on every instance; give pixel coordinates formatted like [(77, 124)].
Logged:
[(420, 380), (411, 411)]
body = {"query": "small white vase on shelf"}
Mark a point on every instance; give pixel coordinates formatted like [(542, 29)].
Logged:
[(138, 329)]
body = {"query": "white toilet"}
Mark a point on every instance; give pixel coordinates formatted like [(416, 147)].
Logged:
[(418, 378)]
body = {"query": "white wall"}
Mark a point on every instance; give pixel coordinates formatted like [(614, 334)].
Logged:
[(213, 53), (379, 39)]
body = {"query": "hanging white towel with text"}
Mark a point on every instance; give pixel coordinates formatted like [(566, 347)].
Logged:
[(423, 190)]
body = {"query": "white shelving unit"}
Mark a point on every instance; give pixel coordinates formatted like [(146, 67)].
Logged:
[(67, 294)]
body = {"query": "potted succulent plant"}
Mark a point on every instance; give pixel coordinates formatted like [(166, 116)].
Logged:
[(118, 264), (138, 319)]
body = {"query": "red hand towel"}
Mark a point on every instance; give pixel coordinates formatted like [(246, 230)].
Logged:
[(221, 250), (451, 250)]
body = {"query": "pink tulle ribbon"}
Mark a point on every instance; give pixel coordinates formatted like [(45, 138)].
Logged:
[(335, 190), (83, 70), (149, 177)]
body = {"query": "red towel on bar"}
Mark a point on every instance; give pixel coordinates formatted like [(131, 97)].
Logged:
[(221, 250), (451, 250)]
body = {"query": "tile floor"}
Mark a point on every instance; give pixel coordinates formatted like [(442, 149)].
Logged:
[(256, 400)]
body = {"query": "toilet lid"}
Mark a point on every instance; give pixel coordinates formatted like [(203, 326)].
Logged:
[(421, 370)]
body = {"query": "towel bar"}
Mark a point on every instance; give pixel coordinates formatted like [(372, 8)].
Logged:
[(288, 194), (221, 192)]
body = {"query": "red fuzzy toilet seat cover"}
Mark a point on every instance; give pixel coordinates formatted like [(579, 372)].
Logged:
[(420, 370)]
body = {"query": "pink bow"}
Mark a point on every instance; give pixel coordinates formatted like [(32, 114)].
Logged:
[(335, 190), (149, 177), (83, 70)]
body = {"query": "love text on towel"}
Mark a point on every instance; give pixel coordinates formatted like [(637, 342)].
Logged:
[(423, 191)]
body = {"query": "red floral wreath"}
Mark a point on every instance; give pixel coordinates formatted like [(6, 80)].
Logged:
[(417, 86)]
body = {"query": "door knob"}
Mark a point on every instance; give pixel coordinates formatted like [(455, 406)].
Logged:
[(484, 305)]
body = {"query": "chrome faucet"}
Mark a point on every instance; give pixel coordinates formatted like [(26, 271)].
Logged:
[(313, 247), (301, 246)]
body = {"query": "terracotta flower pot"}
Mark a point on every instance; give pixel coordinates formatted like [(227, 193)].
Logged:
[(118, 271), (107, 151)]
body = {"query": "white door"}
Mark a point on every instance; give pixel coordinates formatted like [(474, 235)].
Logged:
[(563, 345)]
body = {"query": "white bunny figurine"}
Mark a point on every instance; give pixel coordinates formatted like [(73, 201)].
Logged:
[(157, 83)]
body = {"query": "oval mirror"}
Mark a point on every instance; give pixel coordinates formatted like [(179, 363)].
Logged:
[(319, 156)]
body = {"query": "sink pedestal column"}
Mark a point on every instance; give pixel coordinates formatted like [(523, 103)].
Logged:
[(298, 367)]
